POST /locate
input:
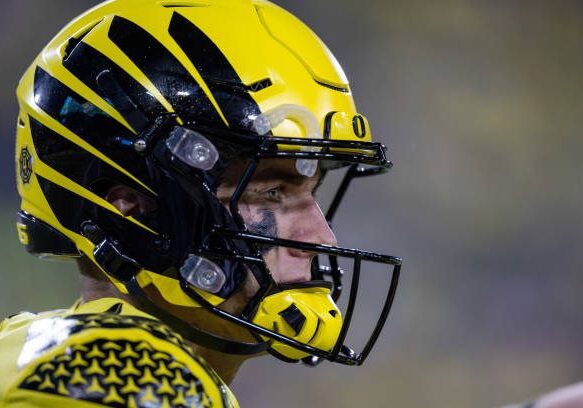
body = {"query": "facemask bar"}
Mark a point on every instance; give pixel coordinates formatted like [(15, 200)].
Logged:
[(347, 151)]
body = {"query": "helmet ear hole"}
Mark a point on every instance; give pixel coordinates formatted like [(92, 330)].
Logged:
[(110, 190), (129, 201), (101, 187)]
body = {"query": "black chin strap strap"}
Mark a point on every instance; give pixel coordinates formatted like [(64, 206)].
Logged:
[(189, 332), (111, 259)]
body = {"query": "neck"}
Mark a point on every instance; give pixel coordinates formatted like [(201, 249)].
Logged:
[(225, 365), (93, 288)]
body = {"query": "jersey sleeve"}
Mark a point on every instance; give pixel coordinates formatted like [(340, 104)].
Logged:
[(114, 361)]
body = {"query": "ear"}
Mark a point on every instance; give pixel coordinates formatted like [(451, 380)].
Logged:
[(129, 201)]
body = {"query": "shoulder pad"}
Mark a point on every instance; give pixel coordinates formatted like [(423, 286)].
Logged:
[(119, 361)]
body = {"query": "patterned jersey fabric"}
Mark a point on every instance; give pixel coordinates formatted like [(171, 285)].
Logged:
[(104, 352)]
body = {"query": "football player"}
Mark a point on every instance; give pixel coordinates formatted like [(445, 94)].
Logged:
[(173, 149)]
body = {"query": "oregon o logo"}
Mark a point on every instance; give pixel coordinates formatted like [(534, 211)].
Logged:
[(25, 162), (359, 126)]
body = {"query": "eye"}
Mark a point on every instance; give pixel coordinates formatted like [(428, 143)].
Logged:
[(273, 194)]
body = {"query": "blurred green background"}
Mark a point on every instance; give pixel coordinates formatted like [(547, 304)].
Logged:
[(481, 105)]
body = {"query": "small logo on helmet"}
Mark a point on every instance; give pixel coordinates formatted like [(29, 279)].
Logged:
[(359, 126), (23, 236), (25, 163)]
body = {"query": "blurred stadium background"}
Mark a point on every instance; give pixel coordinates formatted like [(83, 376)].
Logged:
[(481, 105)]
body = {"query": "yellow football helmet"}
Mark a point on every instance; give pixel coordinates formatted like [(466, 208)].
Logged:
[(160, 96)]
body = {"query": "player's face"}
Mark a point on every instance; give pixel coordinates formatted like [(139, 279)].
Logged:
[(279, 202)]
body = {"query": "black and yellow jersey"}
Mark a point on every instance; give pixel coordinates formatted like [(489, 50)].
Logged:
[(102, 353)]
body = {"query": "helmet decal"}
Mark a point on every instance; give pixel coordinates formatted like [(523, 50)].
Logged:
[(78, 115), (69, 206), (216, 71), (359, 126), (175, 83), (25, 165), (49, 147), (86, 63)]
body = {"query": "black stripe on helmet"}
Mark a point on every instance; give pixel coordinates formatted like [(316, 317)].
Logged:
[(218, 73), (86, 63), (167, 73), (87, 121), (76, 163)]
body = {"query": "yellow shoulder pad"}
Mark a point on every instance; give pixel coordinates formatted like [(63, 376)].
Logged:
[(113, 360)]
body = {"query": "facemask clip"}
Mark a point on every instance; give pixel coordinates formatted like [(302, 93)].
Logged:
[(192, 148), (265, 122), (203, 274)]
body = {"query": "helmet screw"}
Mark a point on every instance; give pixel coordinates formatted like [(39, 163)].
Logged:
[(140, 145), (91, 231), (162, 244)]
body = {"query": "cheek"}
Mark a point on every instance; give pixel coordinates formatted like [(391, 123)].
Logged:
[(251, 213), (246, 211), (254, 215), (290, 220)]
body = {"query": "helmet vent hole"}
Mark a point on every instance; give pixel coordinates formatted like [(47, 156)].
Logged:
[(74, 41), (182, 3), (21, 122), (333, 313), (259, 85)]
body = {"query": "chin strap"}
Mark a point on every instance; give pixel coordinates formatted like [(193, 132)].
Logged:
[(189, 332), (110, 258)]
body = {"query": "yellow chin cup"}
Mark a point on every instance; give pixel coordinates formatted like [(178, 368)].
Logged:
[(308, 315)]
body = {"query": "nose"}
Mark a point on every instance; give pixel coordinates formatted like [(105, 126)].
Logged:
[(307, 224), (311, 226)]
